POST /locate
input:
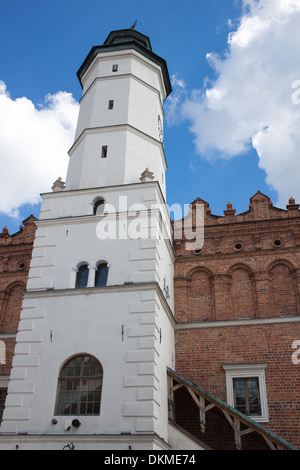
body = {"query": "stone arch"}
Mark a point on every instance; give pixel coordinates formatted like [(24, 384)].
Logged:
[(242, 292)]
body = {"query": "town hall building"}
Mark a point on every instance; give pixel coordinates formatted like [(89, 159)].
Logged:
[(124, 337)]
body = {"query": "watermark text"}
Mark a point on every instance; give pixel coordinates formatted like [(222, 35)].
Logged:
[(141, 221), (296, 354), (2, 353), (296, 93)]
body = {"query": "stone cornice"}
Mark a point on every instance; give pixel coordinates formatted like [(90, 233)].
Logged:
[(234, 323), (126, 287)]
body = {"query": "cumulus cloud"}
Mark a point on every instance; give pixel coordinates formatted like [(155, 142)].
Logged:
[(34, 141), (255, 99)]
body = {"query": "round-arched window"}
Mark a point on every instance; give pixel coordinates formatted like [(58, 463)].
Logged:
[(101, 275), (82, 276), (99, 207), (79, 387)]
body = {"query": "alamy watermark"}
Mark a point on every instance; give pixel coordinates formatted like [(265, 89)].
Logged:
[(296, 354), (142, 221), (296, 93), (2, 353)]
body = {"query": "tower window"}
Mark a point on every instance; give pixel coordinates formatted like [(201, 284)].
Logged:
[(104, 151), (99, 207), (79, 387), (110, 104), (82, 277), (115, 68), (101, 275)]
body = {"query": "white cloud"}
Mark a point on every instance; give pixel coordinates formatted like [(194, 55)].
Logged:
[(174, 100), (34, 142), (251, 102)]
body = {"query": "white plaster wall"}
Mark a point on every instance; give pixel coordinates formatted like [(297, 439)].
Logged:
[(129, 154), (63, 321), (80, 203), (144, 108), (137, 105), (129, 62), (55, 327), (94, 110), (86, 167)]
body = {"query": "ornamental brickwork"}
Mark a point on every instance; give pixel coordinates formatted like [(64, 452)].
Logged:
[(15, 257), (237, 303)]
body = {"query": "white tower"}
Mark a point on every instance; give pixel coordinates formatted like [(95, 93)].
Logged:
[(96, 330)]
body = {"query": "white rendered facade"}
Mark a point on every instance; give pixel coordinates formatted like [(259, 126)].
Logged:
[(128, 324)]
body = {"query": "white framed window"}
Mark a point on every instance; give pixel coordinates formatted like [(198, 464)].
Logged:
[(246, 389)]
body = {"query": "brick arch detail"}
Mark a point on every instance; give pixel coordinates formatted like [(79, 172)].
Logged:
[(288, 263), (242, 292), (200, 290), (11, 307), (198, 268), (284, 288), (240, 266)]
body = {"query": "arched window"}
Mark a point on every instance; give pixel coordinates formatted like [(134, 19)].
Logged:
[(99, 207), (82, 276), (101, 275), (79, 387)]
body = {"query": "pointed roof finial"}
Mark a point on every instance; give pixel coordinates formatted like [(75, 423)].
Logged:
[(133, 25)]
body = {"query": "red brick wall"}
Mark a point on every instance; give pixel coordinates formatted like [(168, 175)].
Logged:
[(201, 352), (248, 269), (15, 257)]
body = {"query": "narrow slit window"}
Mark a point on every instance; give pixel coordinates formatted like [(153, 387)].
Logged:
[(115, 68), (104, 151), (101, 275), (111, 104)]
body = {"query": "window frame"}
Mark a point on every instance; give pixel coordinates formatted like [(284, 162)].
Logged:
[(100, 265), (247, 405), (99, 203), (244, 371), (86, 265), (81, 378)]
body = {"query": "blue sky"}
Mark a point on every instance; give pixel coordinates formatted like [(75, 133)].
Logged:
[(230, 121)]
